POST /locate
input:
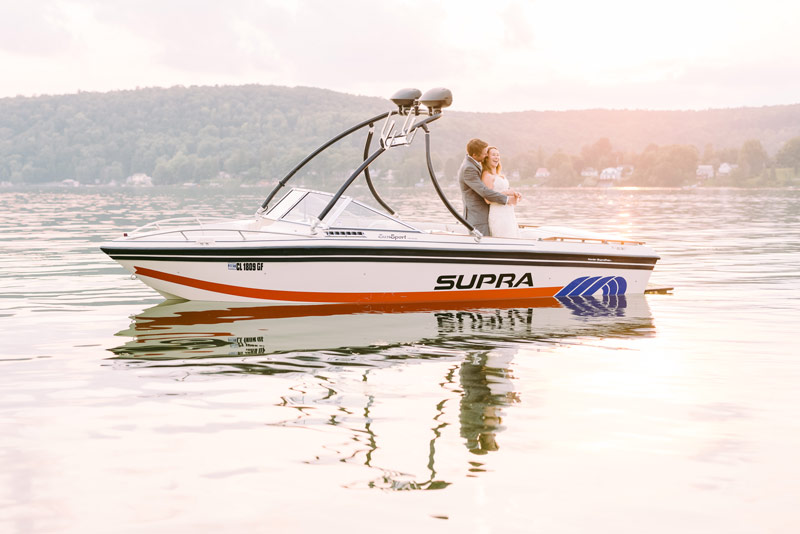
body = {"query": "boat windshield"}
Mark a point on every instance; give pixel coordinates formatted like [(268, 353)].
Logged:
[(304, 206)]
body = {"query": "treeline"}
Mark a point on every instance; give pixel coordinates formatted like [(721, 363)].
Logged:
[(668, 165), (257, 133), (174, 135)]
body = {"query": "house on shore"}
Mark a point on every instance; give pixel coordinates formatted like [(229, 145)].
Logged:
[(139, 180), (610, 176), (704, 172), (725, 169)]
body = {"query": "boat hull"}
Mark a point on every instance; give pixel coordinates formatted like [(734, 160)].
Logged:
[(363, 274)]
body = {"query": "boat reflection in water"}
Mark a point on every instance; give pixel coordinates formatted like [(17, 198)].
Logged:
[(476, 344), (195, 330)]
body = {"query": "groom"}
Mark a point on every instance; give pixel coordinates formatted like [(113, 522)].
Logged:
[(474, 192)]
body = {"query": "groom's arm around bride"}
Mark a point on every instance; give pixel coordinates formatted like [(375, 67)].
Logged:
[(474, 192)]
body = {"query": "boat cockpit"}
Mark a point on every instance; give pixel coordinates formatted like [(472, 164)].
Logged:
[(302, 206)]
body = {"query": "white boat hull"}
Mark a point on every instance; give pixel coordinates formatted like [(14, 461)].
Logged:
[(374, 272)]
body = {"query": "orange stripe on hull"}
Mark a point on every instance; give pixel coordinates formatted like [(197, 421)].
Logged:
[(360, 298)]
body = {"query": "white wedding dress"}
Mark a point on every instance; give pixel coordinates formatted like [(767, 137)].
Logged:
[(502, 220)]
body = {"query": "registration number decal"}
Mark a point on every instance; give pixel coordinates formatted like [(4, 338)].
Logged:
[(246, 266)]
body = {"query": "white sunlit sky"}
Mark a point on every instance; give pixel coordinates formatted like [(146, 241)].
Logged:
[(503, 55)]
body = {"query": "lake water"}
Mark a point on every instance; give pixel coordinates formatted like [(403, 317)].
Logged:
[(661, 413)]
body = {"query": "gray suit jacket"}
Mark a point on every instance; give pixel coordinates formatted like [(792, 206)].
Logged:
[(473, 193)]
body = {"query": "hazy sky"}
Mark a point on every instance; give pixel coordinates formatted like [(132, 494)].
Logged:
[(499, 55)]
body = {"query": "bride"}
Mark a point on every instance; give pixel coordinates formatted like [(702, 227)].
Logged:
[(502, 220)]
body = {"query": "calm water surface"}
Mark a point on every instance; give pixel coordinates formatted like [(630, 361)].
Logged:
[(658, 413)]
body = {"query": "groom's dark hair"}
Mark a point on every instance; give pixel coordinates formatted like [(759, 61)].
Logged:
[(476, 146)]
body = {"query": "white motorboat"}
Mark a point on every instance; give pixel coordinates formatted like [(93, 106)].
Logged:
[(314, 247)]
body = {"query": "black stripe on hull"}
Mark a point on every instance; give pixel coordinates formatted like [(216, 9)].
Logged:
[(372, 254), (531, 263)]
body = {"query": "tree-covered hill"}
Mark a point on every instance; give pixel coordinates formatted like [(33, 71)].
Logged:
[(254, 133), (633, 130), (176, 135)]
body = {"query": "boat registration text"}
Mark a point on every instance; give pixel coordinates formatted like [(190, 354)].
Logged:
[(246, 266)]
